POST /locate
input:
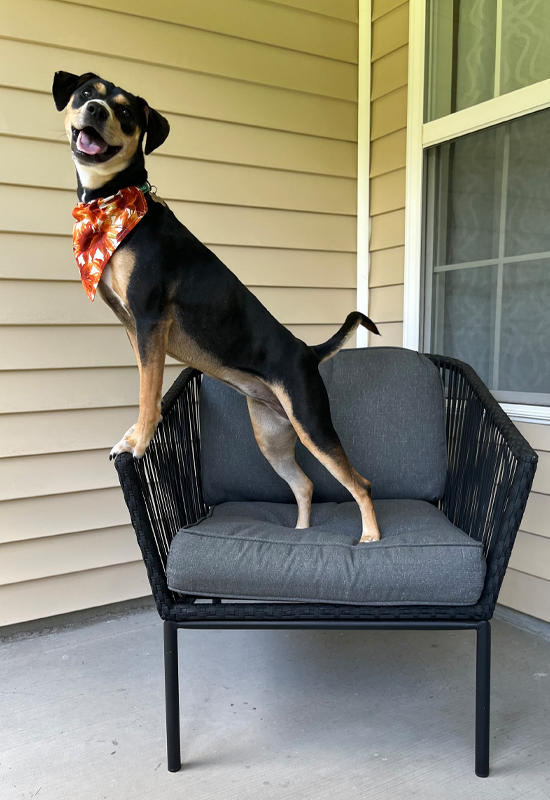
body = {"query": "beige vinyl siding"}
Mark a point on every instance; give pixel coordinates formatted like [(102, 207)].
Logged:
[(390, 20), (260, 164), (526, 586)]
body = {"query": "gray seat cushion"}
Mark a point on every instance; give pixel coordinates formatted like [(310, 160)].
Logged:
[(388, 408), (251, 550)]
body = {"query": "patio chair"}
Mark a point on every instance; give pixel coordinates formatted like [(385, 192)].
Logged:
[(450, 476)]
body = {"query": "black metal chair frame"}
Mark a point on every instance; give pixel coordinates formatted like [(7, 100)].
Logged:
[(490, 471)]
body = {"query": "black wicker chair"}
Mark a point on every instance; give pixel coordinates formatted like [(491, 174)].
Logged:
[(489, 475)]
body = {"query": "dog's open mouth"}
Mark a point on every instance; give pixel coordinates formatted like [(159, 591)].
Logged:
[(92, 146)]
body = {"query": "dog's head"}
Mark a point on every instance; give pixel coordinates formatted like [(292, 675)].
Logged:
[(105, 125)]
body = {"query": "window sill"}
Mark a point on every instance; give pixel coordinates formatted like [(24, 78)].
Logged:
[(519, 412)]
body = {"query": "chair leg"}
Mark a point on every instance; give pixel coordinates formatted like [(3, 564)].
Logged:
[(483, 690), (172, 696)]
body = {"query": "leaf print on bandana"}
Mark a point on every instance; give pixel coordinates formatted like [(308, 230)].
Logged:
[(99, 229)]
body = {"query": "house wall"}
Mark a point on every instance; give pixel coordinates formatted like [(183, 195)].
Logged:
[(526, 586), (260, 164), (389, 53)]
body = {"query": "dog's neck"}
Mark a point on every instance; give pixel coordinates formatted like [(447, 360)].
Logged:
[(134, 174)]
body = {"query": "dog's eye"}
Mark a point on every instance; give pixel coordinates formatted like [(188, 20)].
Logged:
[(87, 92), (125, 113)]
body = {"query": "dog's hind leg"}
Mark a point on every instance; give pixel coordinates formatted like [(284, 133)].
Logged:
[(308, 409), (276, 439)]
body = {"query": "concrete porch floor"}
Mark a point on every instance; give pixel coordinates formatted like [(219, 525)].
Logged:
[(269, 714)]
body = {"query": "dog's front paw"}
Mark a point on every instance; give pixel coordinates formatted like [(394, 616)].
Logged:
[(127, 444)]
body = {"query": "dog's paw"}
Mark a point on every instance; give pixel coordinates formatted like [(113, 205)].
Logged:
[(127, 444), (370, 537)]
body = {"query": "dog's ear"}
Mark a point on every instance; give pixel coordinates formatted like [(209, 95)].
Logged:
[(157, 128), (64, 84)]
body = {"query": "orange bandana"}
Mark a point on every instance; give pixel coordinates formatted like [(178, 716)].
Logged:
[(99, 229)]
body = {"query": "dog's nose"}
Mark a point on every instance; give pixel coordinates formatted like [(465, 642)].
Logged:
[(98, 111)]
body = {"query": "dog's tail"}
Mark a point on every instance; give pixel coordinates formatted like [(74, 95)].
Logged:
[(331, 347)]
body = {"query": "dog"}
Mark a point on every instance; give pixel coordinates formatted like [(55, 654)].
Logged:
[(175, 297)]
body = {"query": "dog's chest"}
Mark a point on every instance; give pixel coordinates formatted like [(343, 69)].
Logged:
[(107, 284), (114, 282)]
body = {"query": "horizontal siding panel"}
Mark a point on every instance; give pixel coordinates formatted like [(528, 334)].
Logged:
[(205, 182), (64, 431), (72, 552), (341, 9), (388, 153), (390, 31), (307, 306), (65, 303), (212, 224), (64, 347), (48, 164), (381, 7), (541, 482), (386, 304), (33, 476), (26, 256), (531, 554), (271, 24), (187, 93), (49, 258), (50, 303), (52, 515), (317, 334), (387, 192), (537, 435), (391, 335), (24, 390), (390, 73), (263, 267), (20, 602), (536, 518), (387, 267), (389, 113), (526, 593), (203, 139), (241, 144), (182, 48), (388, 230)]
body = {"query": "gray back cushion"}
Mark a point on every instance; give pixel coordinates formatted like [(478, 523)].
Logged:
[(388, 408)]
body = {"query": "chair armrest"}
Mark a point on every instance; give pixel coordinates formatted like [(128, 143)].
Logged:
[(163, 489), (490, 468)]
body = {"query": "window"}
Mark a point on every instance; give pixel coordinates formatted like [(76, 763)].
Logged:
[(480, 49), (487, 255), (479, 169)]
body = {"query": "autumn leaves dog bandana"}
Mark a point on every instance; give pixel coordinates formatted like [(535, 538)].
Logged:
[(99, 229)]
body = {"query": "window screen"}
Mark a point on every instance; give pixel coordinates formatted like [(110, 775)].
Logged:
[(487, 255), (480, 49)]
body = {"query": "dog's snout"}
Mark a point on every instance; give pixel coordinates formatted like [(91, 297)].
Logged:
[(97, 111)]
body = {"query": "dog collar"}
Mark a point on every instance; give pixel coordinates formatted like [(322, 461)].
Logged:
[(101, 226)]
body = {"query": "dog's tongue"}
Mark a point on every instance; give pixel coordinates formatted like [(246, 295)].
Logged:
[(92, 145)]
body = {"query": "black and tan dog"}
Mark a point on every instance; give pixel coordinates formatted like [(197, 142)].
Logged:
[(175, 296)]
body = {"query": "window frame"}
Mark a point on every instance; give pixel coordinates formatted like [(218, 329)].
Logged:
[(422, 135)]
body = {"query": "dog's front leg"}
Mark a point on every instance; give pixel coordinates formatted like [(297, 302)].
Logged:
[(149, 345)]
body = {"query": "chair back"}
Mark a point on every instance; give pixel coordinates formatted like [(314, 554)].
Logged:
[(388, 408)]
